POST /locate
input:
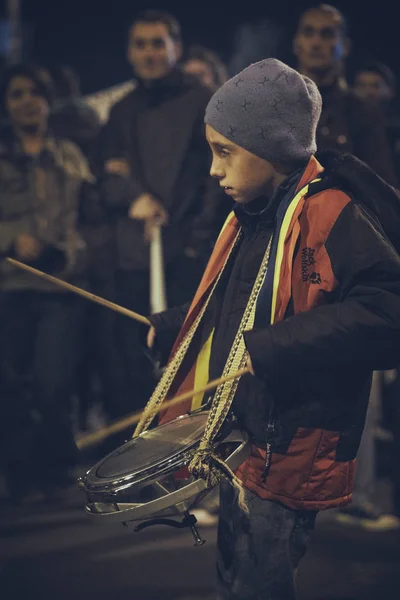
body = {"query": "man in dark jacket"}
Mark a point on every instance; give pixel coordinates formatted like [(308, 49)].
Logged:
[(155, 138), (376, 83), (348, 123), (303, 286)]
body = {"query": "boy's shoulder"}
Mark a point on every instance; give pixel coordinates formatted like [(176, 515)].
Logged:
[(324, 205)]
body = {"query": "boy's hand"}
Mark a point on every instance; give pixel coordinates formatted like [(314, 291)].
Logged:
[(151, 336), (147, 208), (250, 365)]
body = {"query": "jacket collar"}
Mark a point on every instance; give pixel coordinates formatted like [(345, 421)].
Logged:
[(312, 171), (265, 210), (160, 90)]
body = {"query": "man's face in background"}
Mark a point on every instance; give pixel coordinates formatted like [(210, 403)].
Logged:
[(372, 87), (152, 52), (200, 69), (319, 44)]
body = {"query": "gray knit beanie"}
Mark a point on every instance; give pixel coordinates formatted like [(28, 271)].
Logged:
[(270, 110)]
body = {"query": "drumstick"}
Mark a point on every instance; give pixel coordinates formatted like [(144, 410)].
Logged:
[(120, 425), (158, 300), (76, 290)]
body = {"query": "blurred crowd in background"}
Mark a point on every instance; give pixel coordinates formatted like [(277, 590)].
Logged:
[(82, 182)]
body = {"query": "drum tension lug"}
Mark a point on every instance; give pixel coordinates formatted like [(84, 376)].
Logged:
[(187, 521)]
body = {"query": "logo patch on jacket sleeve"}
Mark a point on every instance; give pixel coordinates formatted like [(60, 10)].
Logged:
[(307, 261)]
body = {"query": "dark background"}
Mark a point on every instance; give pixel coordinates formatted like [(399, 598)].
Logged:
[(91, 34)]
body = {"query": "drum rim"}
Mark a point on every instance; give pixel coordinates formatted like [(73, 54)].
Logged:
[(114, 485), (116, 510)]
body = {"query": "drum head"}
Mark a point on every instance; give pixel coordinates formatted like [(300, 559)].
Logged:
[(152, 451), (141, 478)]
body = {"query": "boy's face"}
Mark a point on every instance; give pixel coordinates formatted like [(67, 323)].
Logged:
[(244, 176)]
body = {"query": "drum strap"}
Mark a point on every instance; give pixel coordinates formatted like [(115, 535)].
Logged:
[(205, 463), (163, 386)]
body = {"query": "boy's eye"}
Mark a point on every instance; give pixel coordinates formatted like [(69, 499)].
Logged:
[(223, 152)]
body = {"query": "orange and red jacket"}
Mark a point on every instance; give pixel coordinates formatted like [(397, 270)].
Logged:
[(338, 320)]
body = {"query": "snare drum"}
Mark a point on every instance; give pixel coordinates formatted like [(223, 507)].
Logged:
[(137, 481)]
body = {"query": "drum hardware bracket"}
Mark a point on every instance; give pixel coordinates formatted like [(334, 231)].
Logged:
[(187, 521), (124, 523)]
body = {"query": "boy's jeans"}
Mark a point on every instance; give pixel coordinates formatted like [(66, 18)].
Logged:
[(258, 554)]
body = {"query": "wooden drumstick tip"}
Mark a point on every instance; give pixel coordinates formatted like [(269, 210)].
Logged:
[(80, 292)]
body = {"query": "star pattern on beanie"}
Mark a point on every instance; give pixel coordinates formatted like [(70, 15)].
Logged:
[(240, 80), (232, 130), (262, 132), (218, 105), (264, 81), (261, 65), (283, 74), (245, 104)]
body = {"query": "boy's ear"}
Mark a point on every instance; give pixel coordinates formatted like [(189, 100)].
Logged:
[(283, 169)]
